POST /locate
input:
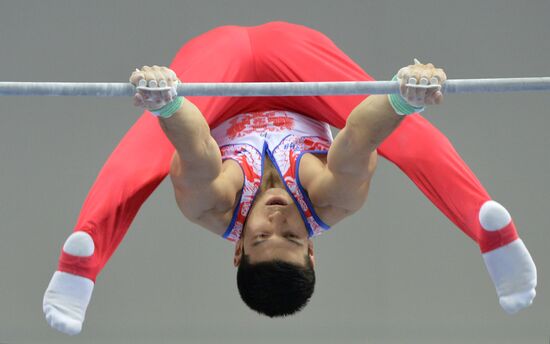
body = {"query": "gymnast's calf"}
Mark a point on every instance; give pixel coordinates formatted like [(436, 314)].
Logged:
[(266, 173)]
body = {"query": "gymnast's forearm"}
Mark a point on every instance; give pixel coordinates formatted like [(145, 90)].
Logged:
[(371, 122), (366, 127), (189, 132), (376, 117)]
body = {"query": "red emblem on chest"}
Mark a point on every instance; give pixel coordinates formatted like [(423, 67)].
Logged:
[(259, 122)]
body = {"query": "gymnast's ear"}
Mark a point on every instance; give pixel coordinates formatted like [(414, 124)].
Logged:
[(310, 253), (238, 252)]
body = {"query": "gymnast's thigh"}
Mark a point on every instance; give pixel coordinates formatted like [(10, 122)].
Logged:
[(220, 55), (286, 52)]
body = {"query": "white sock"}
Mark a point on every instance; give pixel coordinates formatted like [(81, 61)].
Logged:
[(67, 296), (66, 300), (514, 275), (511, 267)]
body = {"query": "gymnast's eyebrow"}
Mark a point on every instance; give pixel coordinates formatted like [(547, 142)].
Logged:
[(256, 243)]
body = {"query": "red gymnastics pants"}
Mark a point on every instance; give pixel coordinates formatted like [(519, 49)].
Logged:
[(272, 52)]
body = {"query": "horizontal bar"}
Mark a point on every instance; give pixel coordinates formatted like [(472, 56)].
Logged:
[(254, 89)]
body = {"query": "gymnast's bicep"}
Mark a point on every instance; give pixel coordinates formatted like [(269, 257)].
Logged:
[(344, 191)]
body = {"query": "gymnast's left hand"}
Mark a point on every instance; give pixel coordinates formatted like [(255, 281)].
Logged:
[(155, 87), (421, 84)]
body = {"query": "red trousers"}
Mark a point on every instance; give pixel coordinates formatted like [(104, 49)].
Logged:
[(272, 52)]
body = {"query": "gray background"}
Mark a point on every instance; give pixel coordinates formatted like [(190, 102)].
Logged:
[(397, 271)]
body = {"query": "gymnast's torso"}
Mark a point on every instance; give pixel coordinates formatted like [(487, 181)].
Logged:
[(272, 149)]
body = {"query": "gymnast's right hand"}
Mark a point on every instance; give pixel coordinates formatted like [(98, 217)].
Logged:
[(155, 87)]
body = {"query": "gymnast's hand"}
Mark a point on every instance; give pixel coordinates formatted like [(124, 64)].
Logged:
[(155, 87), (421, 84)]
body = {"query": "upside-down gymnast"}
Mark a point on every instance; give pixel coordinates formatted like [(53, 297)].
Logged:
[(265, 172)]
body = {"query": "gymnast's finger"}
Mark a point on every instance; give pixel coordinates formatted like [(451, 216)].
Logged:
[(138, 100), (440, 75), (136, 76), (145, 94), (430, 92), (402, 72), (438, 97), (421, 91), (431, 95), (402, 77), (148, 76), (153, 83), (158, 77), (410, 93), (169, 75), (167, 95)]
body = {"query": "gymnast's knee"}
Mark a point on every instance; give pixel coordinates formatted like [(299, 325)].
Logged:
[(79, 244), (493, 216), (498, 229)]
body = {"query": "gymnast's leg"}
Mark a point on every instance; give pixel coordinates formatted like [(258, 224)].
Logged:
[(133, 171), (289, 52), (432, 163)]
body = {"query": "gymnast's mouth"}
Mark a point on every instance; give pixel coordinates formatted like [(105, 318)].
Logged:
[(276, 200)]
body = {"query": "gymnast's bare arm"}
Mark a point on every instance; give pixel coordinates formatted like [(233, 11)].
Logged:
[(202, 185), (351, 161), (205, 189)]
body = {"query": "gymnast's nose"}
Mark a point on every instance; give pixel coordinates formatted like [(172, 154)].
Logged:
[(277, 216)]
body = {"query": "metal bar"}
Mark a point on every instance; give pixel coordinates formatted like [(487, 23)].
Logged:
[(271, 88)]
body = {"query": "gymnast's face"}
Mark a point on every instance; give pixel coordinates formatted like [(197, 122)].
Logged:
[(274, 229)]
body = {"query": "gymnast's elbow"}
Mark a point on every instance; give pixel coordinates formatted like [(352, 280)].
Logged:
[(186, 206)]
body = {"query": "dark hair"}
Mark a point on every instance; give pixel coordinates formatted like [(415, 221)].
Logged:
[(275, 288)]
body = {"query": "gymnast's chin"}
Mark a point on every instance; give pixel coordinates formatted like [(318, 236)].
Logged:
[(274, 257)]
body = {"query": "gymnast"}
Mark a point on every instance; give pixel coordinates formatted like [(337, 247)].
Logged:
[(265, 172)]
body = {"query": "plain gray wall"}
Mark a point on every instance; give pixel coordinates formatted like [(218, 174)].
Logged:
[(397, 271)]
